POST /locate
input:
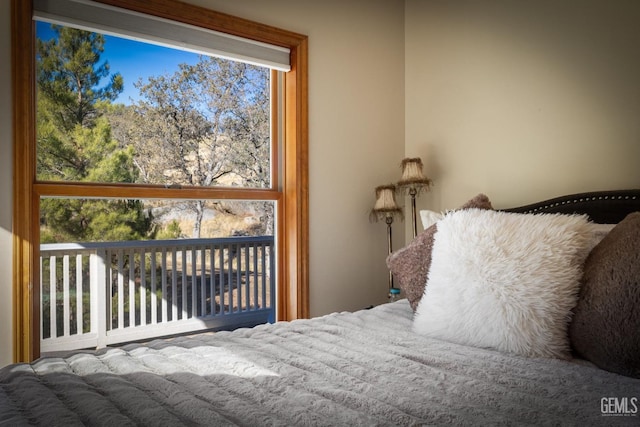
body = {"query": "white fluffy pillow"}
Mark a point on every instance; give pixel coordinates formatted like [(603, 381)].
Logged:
[(505, 281)]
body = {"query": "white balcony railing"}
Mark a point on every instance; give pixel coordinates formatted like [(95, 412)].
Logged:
[(97, 294)]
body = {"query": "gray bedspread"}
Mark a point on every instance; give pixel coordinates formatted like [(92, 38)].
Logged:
[(346, 369)]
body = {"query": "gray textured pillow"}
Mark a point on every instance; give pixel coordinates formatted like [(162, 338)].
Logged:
[(410, 265), (606, 323)]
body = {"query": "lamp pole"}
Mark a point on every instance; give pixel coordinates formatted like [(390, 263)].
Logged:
[(413, 192), (386, 207), (389, 221)]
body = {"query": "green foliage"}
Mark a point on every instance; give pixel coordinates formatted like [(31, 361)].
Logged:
[(73, 220), (170, 231), (69, 72), (74, 142)]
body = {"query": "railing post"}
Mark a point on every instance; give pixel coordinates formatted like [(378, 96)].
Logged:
[(272, 281), (79, 294), (53, 284), (99, 306), (66, 300)]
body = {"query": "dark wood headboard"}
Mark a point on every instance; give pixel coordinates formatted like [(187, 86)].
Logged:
[(604, 207)]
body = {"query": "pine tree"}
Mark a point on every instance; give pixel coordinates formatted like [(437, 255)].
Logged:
[(74, 141)]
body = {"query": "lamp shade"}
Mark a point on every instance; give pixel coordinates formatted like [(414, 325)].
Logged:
[(385, 205), (412, 175)]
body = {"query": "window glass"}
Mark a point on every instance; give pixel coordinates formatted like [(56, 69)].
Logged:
[(77, 220), (113, 110)]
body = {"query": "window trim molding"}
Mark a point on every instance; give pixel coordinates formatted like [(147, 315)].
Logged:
[(293, 222)]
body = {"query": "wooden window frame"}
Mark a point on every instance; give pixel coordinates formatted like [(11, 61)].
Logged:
[(292, 196)]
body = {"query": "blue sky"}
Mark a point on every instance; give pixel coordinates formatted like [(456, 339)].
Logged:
[(133, 59)]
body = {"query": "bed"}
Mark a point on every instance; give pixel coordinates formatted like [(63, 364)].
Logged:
[(401, 363)]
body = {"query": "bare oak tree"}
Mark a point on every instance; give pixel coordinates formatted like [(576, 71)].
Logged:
[(205, 125)]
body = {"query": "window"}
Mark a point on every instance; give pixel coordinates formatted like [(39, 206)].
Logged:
[(114, 110), (289, 192)]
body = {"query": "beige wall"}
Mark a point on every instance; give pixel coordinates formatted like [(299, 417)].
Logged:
[(6, 337), (522, 100)]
